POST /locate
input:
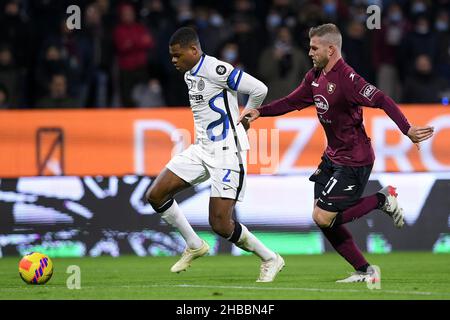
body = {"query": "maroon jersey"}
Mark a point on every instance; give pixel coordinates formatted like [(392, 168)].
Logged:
[(339, 96)]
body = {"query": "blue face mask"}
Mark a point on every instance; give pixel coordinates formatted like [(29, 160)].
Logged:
[(441, 25), (361, 18), (330, 9), (274, 20), (418, 7), (202, 23), (230, 56), (216, 20), (395, 17), (184, 16)]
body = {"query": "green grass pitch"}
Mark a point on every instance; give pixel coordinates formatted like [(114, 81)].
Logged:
[(411, 275)]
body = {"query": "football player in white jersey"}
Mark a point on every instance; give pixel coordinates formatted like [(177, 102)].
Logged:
[(219, 153)]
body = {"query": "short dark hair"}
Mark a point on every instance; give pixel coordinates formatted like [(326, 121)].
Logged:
[(184, 36), (329, 31)]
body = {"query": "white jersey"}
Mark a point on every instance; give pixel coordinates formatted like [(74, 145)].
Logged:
[(213, 86)]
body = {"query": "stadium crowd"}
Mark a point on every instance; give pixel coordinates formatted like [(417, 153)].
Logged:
[(119, 57)]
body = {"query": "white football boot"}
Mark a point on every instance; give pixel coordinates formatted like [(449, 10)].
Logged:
[(188, 256), (270, 268), (371, 276), (391, 206)]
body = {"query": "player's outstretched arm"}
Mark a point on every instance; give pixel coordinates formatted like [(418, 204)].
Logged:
[(298, 99), (419, 134), (360, 92)]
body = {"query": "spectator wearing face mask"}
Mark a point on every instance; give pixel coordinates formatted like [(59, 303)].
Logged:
[(132, 42), (422, 40), (50, 62), (211, 28), (249, 37), (281, 12), (308, 17), (418, 7), (357, 48), (423, 86), (282, 65), (58, 96), (15, 30), (443, 34), (11, 76), (229, 52), (386, 58), (335, 11)]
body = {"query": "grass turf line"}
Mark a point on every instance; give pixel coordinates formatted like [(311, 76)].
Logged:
[(412, 275)]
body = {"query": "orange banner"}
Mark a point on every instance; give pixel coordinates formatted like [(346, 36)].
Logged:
[(120, 142)]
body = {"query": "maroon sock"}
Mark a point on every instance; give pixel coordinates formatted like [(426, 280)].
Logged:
[(342, 241), (361, 208)]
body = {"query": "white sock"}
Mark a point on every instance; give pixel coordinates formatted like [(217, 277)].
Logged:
[(176, 219), (248, 242)]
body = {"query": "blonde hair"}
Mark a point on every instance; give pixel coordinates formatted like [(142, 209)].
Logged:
[(329, 32)]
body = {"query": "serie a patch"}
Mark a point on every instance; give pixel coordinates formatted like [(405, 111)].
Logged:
[(368, 91)]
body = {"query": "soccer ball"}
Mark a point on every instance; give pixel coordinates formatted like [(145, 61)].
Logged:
[(35, 268)]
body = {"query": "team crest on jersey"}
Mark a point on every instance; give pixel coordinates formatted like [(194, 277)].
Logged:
[(331, 87), (220, 69), (201, 85)]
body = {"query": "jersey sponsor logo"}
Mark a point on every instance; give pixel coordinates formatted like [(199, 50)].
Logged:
[(196, 97), (325, 121), (368, 91), (315, 84), (321, 103), (220, 69), (201, 85), (331, 87)]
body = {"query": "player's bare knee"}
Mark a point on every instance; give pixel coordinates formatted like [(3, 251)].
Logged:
[(219, 229), (221, 226), (154, 197)]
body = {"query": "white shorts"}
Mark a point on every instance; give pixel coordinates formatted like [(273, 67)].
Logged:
[(228, 178)]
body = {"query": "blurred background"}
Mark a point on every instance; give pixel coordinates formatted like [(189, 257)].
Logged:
[(88, 117), (119, 57)]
